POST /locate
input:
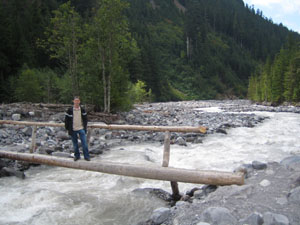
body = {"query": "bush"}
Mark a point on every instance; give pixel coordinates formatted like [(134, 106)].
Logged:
[(28, 86)]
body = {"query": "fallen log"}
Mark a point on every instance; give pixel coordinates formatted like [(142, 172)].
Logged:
[(184, 129), (141, 171)]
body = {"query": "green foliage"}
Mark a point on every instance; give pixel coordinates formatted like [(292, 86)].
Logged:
[(278, 81), (28, 86), (139, 94)]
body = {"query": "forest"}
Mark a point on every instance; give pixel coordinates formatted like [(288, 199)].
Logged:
[(114, 53), (278, 80)]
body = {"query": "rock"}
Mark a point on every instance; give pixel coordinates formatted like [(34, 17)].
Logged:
[(16, 117), (192, 191), (3, 134), (218, 215), (97, 150), (209, 189), (221, 131), (199, 194), (183, 202), (59, 117), (5, 171), (2, 163), (259, 165), (181, 141), (31, 114), (246, 169), (27, 131), (275, 219), (253, 219), (160, 215), (62, 135), (202, 223), (291, 163), (294, 196), (265, 183)]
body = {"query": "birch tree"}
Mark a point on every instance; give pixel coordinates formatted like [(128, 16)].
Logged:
[(109, 35)]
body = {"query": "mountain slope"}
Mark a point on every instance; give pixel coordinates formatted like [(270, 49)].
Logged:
[(199, 49)]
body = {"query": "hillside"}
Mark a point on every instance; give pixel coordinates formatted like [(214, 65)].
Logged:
[(201, 49), (179, 49)]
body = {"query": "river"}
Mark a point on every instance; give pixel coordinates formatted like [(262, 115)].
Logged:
[(52, 195)]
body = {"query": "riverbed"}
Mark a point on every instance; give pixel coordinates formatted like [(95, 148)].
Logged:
[(52, 195)]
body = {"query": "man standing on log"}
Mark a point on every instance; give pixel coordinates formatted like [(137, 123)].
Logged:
[(76, 124)]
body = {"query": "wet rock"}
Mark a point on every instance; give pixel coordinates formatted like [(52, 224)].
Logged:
[(259, 165), (218, 215), (209, 189), (5, 171), (181, 141), (154, 192), (97, 150), (221, 131), (246, 169), (160, 215), (253, 219), (272, 219)]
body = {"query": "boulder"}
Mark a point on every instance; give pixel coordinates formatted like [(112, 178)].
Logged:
[(218, 215), (272, 219), (160, 215), (259, 165), (62, 135), (253, 219), (294, 196), (291, 163)]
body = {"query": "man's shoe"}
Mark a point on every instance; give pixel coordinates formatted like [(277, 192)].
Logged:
[(87, 159), (75, 159)]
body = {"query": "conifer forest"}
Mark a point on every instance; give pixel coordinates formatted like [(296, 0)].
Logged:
[(114, 53)]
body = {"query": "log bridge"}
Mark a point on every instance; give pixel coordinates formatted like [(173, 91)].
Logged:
[(165, 172)]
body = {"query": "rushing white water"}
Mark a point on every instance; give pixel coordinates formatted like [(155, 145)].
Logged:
[(51, 195)]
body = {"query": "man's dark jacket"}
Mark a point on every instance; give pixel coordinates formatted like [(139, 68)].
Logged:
[(69, 119)]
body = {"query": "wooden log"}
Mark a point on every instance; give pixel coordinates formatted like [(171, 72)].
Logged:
[(88, 137), (166, 155), (183, 129), (29, 123), (33, 137), (142, 171), (166, 159)]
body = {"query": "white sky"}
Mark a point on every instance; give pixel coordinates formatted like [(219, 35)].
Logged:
[(286, 12)]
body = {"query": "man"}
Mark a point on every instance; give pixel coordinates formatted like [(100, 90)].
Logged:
[(76, 124)]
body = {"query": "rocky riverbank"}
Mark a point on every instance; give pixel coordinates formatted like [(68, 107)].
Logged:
[(271, 193)]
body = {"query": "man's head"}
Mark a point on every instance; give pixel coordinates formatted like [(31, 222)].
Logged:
[(76, 101)]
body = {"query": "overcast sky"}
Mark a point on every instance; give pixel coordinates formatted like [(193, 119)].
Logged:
[(286, 12)]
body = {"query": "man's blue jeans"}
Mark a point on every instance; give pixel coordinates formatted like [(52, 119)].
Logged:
[(83, 143)]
